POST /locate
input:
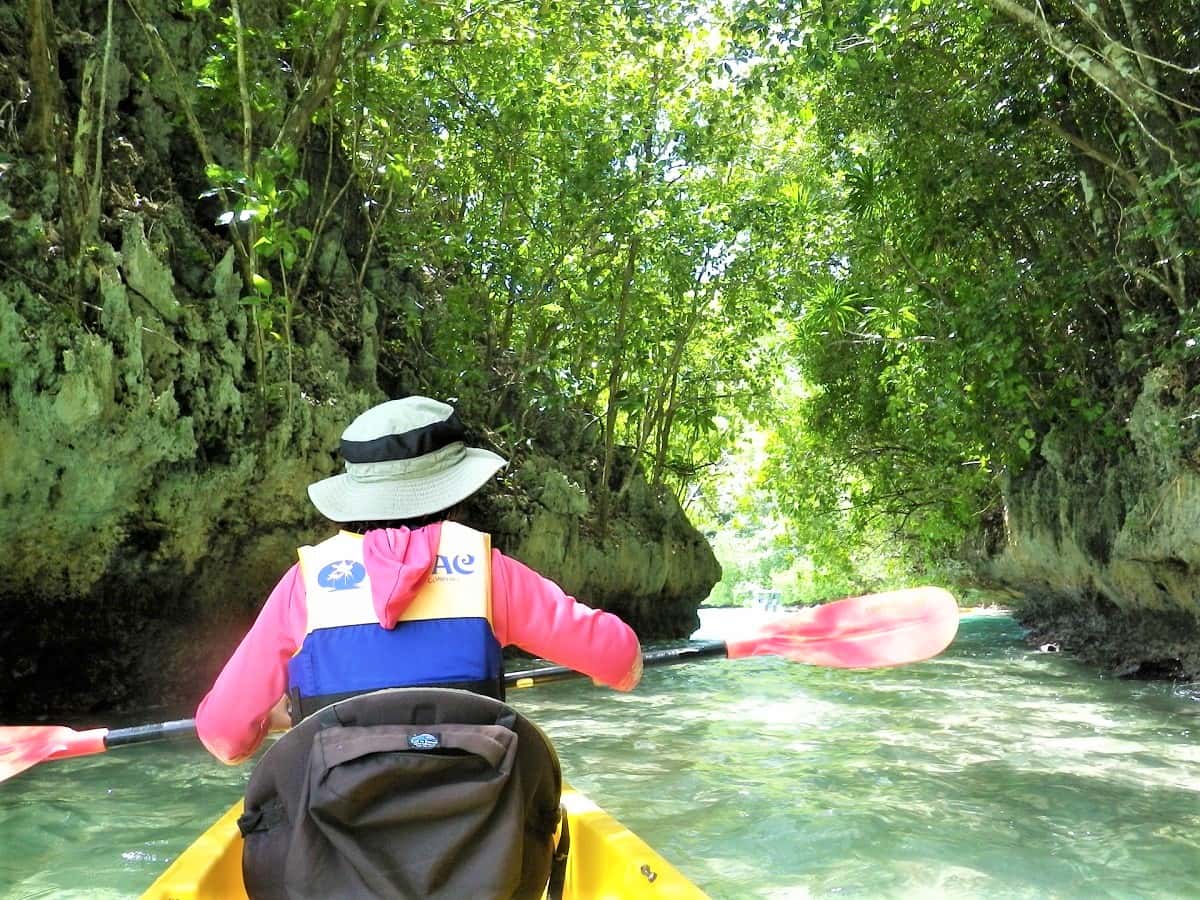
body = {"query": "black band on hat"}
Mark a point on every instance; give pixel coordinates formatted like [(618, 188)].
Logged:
[(408, 445)]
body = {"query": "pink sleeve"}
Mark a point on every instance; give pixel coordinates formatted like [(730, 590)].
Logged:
[(232, 719), (536, 615)]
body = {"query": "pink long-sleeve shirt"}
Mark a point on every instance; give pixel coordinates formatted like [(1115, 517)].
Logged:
[(528, 611)]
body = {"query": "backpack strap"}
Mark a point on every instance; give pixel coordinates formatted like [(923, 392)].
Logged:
[(264, 818), (558, 868)]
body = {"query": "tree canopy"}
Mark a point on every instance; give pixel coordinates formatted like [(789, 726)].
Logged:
[(905, 241), (1012, 203)]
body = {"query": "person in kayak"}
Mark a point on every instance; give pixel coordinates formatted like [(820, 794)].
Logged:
[(402, 596)]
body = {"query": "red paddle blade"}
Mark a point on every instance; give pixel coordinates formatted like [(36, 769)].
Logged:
[(868, 632), (22, 746)]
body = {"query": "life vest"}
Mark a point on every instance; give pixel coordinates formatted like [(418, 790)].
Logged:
[(443, 639)]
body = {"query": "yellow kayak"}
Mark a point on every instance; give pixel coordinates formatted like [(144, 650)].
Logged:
[(607, 860)]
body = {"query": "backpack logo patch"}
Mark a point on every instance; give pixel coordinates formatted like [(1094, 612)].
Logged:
[(424, 741)]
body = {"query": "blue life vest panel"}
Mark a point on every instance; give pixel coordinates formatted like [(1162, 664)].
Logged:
[(444, 638)]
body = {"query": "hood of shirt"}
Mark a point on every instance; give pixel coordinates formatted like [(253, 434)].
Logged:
[(399, 562)]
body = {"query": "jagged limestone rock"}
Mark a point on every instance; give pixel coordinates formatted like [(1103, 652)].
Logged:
[(1107, 553), (647, 564), (146, 273), (157, 437), (156, 490)]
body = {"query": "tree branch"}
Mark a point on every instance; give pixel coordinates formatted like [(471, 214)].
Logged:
[(319, 86)]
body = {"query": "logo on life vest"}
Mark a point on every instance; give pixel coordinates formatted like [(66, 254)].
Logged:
[(342, 575), (424, 741), (455, 565)]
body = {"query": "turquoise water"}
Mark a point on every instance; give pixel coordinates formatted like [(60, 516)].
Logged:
[(992, 771)]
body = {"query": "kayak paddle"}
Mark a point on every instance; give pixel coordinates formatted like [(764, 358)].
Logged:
[(867, 632), (873, 631), (22, 746)]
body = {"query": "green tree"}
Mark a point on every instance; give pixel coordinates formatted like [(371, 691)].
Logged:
[(1009, 209)]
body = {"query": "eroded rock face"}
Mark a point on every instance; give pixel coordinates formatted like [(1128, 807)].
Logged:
[(649, 565), (151, 495), (1108, 557), (141, 495), (155, 442)]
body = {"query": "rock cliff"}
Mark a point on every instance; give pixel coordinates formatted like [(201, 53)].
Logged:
[(161, 413), (150, 497), (1106, 552)]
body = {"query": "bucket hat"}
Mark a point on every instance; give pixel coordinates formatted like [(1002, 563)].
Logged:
[(404, 459)]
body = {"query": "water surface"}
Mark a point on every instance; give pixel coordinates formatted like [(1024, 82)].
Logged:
[(992, 771)]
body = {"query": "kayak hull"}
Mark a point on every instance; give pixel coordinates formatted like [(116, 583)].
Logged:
[(607, 860)]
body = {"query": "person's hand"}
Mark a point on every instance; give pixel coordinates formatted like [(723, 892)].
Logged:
[(630, 681), (279, 719)]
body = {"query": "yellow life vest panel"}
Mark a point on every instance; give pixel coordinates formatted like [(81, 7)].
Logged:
[(443, 637)]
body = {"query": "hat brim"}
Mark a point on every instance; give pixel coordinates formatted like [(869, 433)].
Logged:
[(342, 499)]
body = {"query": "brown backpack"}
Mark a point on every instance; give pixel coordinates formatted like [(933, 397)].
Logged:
[(408, 792)]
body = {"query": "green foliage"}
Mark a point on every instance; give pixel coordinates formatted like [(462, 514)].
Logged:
[(578, 193), (969, 286), (906, 241), (807, 558)]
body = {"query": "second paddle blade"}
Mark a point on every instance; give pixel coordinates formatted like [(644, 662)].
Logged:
[(872, 631), (22, 746)]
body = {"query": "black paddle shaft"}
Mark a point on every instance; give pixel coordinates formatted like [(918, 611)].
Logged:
[(670, 657), (160, 731), (141, 734)]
